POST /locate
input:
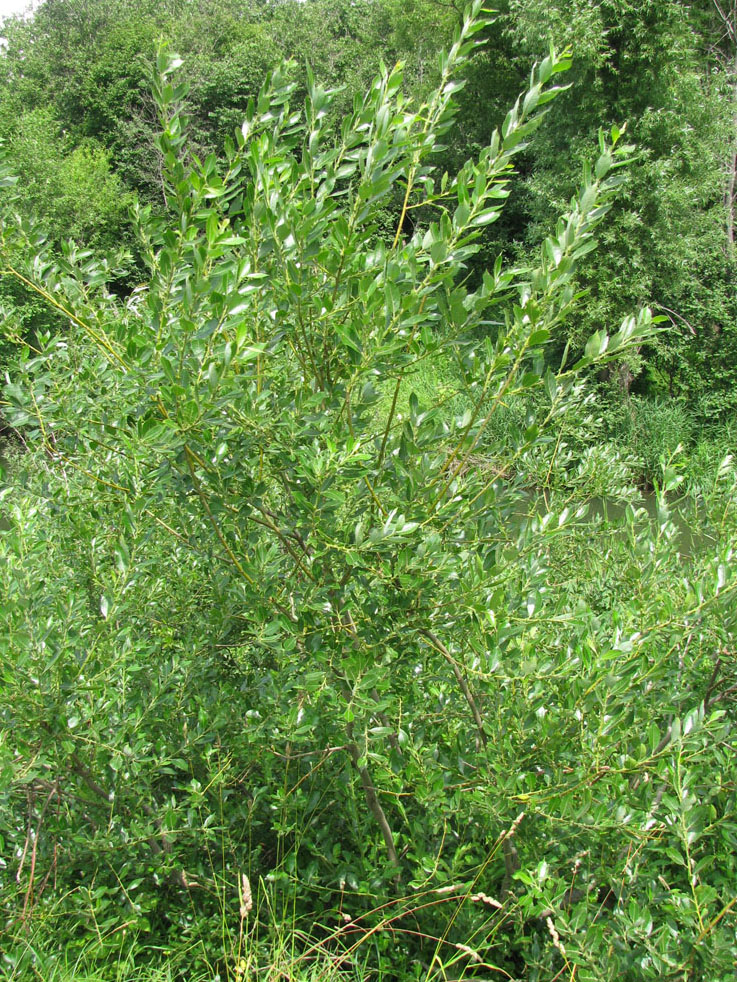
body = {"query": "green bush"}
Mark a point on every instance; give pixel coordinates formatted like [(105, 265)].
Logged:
[(255, 624)]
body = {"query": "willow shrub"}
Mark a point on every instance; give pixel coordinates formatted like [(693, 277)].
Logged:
[(266, 612)]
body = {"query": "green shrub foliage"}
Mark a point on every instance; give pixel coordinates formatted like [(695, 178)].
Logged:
[(268, 612)]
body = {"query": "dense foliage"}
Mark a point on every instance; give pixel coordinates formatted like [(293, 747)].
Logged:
[(312, 654)]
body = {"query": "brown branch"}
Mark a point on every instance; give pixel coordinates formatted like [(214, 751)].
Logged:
[(372, 799), (347, 622), (21, 864), (178, 877), (190, 456), (85, 773), (27, 900), (463, 684), (384, 720), (369, 789), (710, 699)]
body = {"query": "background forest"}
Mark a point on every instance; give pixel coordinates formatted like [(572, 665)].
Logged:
[(369, 373)]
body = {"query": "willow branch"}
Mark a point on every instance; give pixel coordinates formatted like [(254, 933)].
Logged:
[(372, 799), (464, 687)]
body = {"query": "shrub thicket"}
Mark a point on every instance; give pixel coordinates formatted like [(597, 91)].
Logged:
[(273, 621)]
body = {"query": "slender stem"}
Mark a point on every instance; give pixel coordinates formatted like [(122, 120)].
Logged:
[(98, 339), (463, 684), (216, 528), (372, 799)]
